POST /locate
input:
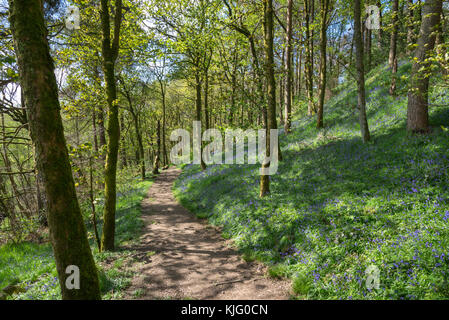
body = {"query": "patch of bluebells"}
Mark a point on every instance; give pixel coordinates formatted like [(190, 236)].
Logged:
[(338, 206)]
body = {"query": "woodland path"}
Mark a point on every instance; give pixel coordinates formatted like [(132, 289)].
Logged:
[(182, 257)]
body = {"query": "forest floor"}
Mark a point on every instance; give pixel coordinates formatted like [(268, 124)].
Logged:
[(182, 257), (339, 207)]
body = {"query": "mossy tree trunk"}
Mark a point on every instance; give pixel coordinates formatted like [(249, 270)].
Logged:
[(308, 8), (198, 88), (271, 89), (288, 69), (158, 151), (163, 86), (361, 101), (38, 82), (110, 50), (417, 110), (324, 11)]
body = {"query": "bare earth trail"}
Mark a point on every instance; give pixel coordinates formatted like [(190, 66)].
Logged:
[(181, 257)]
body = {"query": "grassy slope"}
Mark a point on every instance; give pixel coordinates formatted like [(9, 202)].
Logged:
[(33, 264), (338, 206)]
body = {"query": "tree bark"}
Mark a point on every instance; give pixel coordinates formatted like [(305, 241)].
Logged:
[(110, 53), (417, 110), (309, 56), (380, 31), (158, 151), (198, 111), (164, 121), (360, 72), (123, 153), (271, 88), (288, 69), (36, 69), (323, 46), (394, 33)]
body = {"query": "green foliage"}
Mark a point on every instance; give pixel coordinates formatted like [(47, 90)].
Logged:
[(338, 206), (301, 284), (32, 265)]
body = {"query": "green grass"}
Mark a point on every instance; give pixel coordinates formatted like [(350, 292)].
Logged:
[(338, 206), (33, 266)]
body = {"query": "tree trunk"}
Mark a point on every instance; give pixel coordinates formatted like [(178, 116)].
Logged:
[(123, 157), (298, 77), (198, 113), (394, 33), (417, 110), (110, 53), (94, 130), (206, 98), (288, 69), (141, 153), (368, 44), (323, 46), (271, 88), (380, 31), (410, 27), (282, 89), (38, 82), (92, 203), (309, 58), (158, 151), (164, 121), (392, 59), (360, 71)]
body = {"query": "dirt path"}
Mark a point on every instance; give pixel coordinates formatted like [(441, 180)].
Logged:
[(181, 257)]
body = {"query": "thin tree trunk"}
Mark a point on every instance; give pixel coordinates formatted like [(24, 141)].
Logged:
[(110, 53), (94, 130), (368, 48), (198, 113), (323, 46), (124, 160), (164, 121), (282, 89), (141, 153), (288, 69), (299, 72), (158, 151), (92, 204), (380, 31), (392, 59), (360, 71), (410, 27), (206, 98), (309, 58), (394, 33), (271, 89)]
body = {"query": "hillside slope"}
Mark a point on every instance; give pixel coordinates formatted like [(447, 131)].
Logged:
[(338, 206)]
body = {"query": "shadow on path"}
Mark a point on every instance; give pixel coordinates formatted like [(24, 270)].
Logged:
[(182, 257)]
